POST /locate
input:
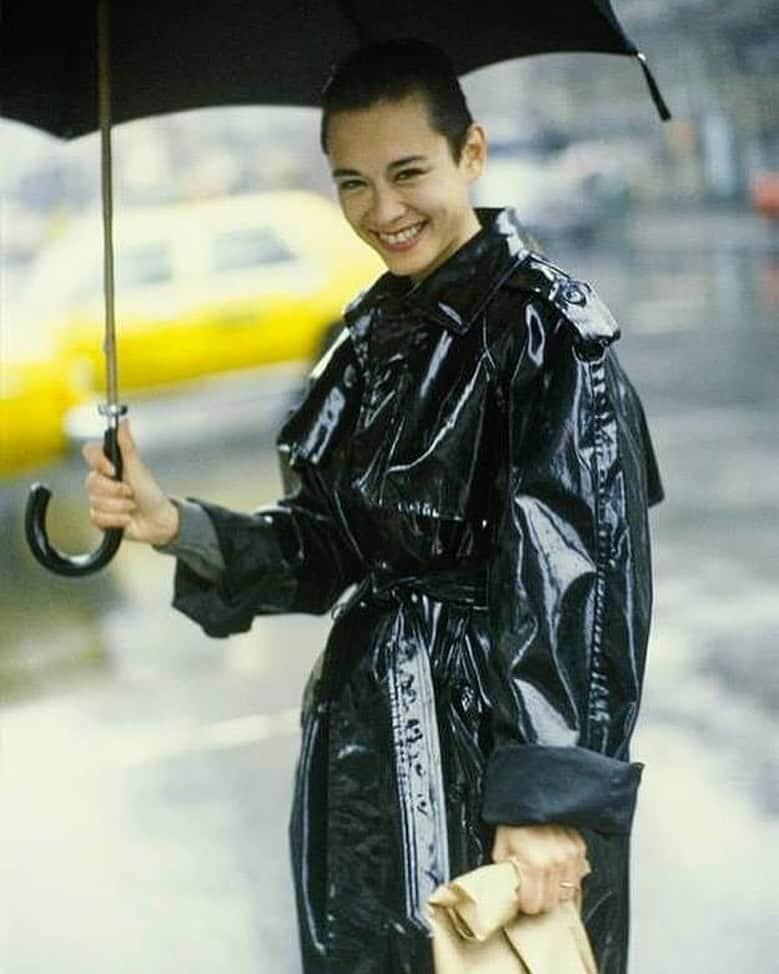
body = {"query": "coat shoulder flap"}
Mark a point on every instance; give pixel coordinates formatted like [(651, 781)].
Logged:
[(594, 329), (577, 301)]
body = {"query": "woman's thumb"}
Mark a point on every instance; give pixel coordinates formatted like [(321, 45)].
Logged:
[(125, 439)]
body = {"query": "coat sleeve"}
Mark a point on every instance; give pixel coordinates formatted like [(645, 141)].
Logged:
[(569, 589), (294, 555), (287, 556)]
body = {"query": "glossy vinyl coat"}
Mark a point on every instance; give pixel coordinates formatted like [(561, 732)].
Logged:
[(472, 456)]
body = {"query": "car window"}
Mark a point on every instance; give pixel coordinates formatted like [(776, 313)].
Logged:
[(247, 247), (150, 264)]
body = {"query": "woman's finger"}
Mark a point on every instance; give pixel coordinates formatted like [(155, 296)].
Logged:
[(94, 456), (586, 868), (570, 882), (577, 865), (540, 888), (546, 856), (578, 840), (554, 874), (125, 439), (113, 505), (530, 896), (103, 520), (99, 485)]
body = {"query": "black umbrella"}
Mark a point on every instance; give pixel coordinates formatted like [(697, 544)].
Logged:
[(170, 55), (58, 74)]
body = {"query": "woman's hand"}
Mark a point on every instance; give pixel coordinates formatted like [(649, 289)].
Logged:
[(546, 855), (136, 503)]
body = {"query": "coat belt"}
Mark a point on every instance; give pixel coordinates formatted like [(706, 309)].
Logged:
[(461, 586), (416, 751)]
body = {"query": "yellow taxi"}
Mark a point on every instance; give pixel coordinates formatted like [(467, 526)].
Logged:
[(205, 287), (35, 390), (210, 287), (35, 396)]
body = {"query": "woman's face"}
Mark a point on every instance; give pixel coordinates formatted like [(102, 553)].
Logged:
[(398, 185)]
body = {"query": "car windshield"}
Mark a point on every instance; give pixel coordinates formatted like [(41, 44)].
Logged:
[(72, 270), (149, 264), (247, 247)]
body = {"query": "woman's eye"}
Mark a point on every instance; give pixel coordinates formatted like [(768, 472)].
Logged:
[(406, 174), (349, 184)]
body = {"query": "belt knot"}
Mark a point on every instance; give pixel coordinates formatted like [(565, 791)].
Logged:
[(466, 586)]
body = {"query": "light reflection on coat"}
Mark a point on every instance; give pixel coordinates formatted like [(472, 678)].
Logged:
[(473, 456)]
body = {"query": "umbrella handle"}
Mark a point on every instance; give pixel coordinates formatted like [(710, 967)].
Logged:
[(72, 566)]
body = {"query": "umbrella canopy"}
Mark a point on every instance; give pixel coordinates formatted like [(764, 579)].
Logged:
[(71, 67), (171, 55)]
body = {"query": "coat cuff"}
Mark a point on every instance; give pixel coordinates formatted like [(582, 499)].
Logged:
[(529, 784), (257, 578), (196, 542)]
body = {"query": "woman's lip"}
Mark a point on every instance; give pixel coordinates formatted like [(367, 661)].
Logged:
[(406, 245)]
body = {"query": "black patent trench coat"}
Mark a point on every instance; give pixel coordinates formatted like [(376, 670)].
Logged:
[(473, 456)]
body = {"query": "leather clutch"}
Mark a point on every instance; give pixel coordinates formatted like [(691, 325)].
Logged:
[(477, 928)]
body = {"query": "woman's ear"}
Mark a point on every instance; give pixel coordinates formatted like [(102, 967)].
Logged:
[(474, 154)]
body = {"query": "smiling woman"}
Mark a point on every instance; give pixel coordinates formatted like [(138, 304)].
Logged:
[(399, 185), (403, 151), (472, 454)]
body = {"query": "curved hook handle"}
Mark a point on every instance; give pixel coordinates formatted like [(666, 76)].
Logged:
[(73, 566)]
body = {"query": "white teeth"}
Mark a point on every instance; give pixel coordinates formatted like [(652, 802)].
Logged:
[(403, 236)]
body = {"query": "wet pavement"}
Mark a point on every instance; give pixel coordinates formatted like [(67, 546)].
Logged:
[(146, 788)]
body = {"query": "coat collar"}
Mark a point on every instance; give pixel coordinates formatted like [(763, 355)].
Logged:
[(454, 293)]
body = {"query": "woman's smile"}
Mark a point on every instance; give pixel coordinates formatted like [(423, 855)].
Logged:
[(400, 240)]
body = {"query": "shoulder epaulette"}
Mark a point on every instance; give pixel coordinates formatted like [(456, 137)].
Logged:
[(577, 301)]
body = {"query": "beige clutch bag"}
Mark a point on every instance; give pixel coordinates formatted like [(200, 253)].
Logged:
[(477, 929)]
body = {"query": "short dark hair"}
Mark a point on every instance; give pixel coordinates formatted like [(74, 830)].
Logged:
[(394, 69)]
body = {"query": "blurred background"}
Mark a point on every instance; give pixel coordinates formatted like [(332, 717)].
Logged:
[(146, 770)]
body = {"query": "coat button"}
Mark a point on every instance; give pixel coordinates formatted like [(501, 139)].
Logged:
[(573, 294)]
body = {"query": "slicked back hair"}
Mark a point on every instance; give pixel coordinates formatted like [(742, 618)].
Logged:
[(387, 71)]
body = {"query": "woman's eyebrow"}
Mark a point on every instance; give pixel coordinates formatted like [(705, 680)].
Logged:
[(407, 160), (396, 164)]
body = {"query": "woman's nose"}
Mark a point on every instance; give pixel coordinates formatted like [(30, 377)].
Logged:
[(387, 207)]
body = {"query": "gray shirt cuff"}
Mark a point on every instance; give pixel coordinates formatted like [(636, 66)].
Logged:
[(196, 543)]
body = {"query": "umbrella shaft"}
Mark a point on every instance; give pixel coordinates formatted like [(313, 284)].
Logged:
[(104, 99)]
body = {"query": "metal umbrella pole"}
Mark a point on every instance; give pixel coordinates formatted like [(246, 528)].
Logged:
[(111, 409)]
